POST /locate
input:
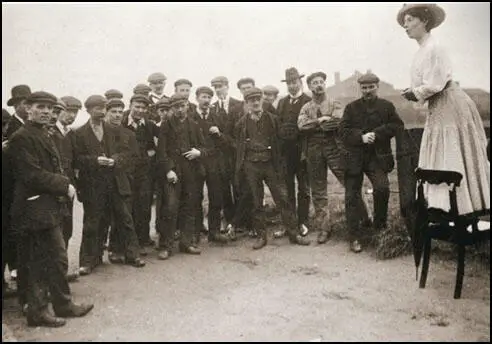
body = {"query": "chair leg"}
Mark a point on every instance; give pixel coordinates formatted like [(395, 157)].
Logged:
[(425, 263), (460, 272)]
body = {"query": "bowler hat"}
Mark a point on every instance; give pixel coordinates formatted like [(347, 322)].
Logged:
[(292, 74), (436, 12), (19, 92)]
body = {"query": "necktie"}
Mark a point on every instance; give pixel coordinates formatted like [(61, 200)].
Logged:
[(205, 114)]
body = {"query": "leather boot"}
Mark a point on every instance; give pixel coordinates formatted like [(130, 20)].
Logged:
[(72, 310), (44, 319)]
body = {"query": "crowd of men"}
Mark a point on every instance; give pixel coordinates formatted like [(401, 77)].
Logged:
[(167, 149)]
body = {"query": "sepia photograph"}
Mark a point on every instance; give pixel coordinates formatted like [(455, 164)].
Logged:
[(246, 171)]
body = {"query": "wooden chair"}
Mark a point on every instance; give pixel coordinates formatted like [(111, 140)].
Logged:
[(446, 226)]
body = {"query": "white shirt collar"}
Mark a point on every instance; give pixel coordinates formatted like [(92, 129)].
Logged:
[(64, 130), (225, 102), (155, 95), (132, 122), (200, 112), (20, 119)]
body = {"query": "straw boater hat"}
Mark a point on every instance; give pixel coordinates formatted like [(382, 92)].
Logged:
[(437, 13)]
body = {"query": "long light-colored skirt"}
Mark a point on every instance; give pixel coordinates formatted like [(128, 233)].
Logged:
[(454, 140)]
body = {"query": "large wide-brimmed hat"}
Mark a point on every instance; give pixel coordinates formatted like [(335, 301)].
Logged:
[(292, 74), (437, 13)]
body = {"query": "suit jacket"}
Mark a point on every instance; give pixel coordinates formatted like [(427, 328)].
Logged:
[(287, 120), (40, 184), (91, 175), (65, 145), (360, 117), (241, 143), (14, 125)]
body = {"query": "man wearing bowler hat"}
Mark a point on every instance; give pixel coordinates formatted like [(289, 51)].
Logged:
[(288, 111), (41, 190), (20, 93), (366, 129)]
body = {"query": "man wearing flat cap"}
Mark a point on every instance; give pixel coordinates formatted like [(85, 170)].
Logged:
[(113, 94), (288, 111), (212, 130), (181, 148), (145, 132), (41, 190), (163, 107), (157, 83), (73, 107), (245, 84), (183, 87), (318, 122), (102, 158), (366, 129), (270, 95), (258, 157)]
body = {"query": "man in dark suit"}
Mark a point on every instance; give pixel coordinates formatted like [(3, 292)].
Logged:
[(181, 147), (288, 111), (41, 188), (258, 156), (102, 158), (210, 127), (145, 132), (366, 129)]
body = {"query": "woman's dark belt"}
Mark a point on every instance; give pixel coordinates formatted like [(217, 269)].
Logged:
[(448, 85)]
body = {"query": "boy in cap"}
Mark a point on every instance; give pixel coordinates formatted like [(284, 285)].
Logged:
[(211, 128), (181, 147), (366, 129), (258, 156), (42, 188), (102, 157), (270, 94), (73, 107)]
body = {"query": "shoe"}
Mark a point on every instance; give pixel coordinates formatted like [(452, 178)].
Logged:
[(355, 246), (163, 255), (260, 243), (279, 234), (13, 275), (72, 277), (190, 250), (218, 238), (323, 237), (299, 240), (85, 270), (72, 310), (116, 258), (303, 229), (137, 262), (44, 319)]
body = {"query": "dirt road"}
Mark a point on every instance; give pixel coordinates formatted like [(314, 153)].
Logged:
[(280, 293)]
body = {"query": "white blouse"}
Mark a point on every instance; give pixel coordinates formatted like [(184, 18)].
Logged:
[(431, 69)]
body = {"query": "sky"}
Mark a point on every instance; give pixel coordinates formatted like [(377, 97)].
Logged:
[(81, 49)]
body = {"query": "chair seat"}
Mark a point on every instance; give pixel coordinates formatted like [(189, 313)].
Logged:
[(446, 231)]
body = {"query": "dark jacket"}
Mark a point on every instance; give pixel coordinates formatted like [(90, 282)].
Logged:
[(91, 175), (288, 130), (39, 176), (65, 145), (360, 117), (14, 125)]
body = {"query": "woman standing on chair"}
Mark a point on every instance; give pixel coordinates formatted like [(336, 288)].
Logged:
[(454, 137)]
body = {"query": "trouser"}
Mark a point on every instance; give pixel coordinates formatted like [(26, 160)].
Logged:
[(319, 159), (243, 216), (67, 223), (179, 205), (123, 239), (229, 192), (353, 184), (212, 178), (142, 204), (97, 218), (256, 173), (47, 264), (297, 169)]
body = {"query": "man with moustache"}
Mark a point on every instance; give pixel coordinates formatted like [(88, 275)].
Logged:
[(41, 189), (211, 129), (245, 84), (258, 156), (366, 129), (183, 87), (318, 122), (288, 111), (145, 132), (181, 147), (102, 158)]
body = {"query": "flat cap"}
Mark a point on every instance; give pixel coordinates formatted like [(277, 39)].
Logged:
[(60, 104), (253, 92), (113, 102), (182, 82), (269, 89), (95, 100), (177, 99), (142, 89), (72, 103), (243, 81), (41, 97), (140, 98), (19, 92), (156, 77), (219, 80), (315, 75), (164, 102), (204, 89), (112, 93), (368, 78)]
